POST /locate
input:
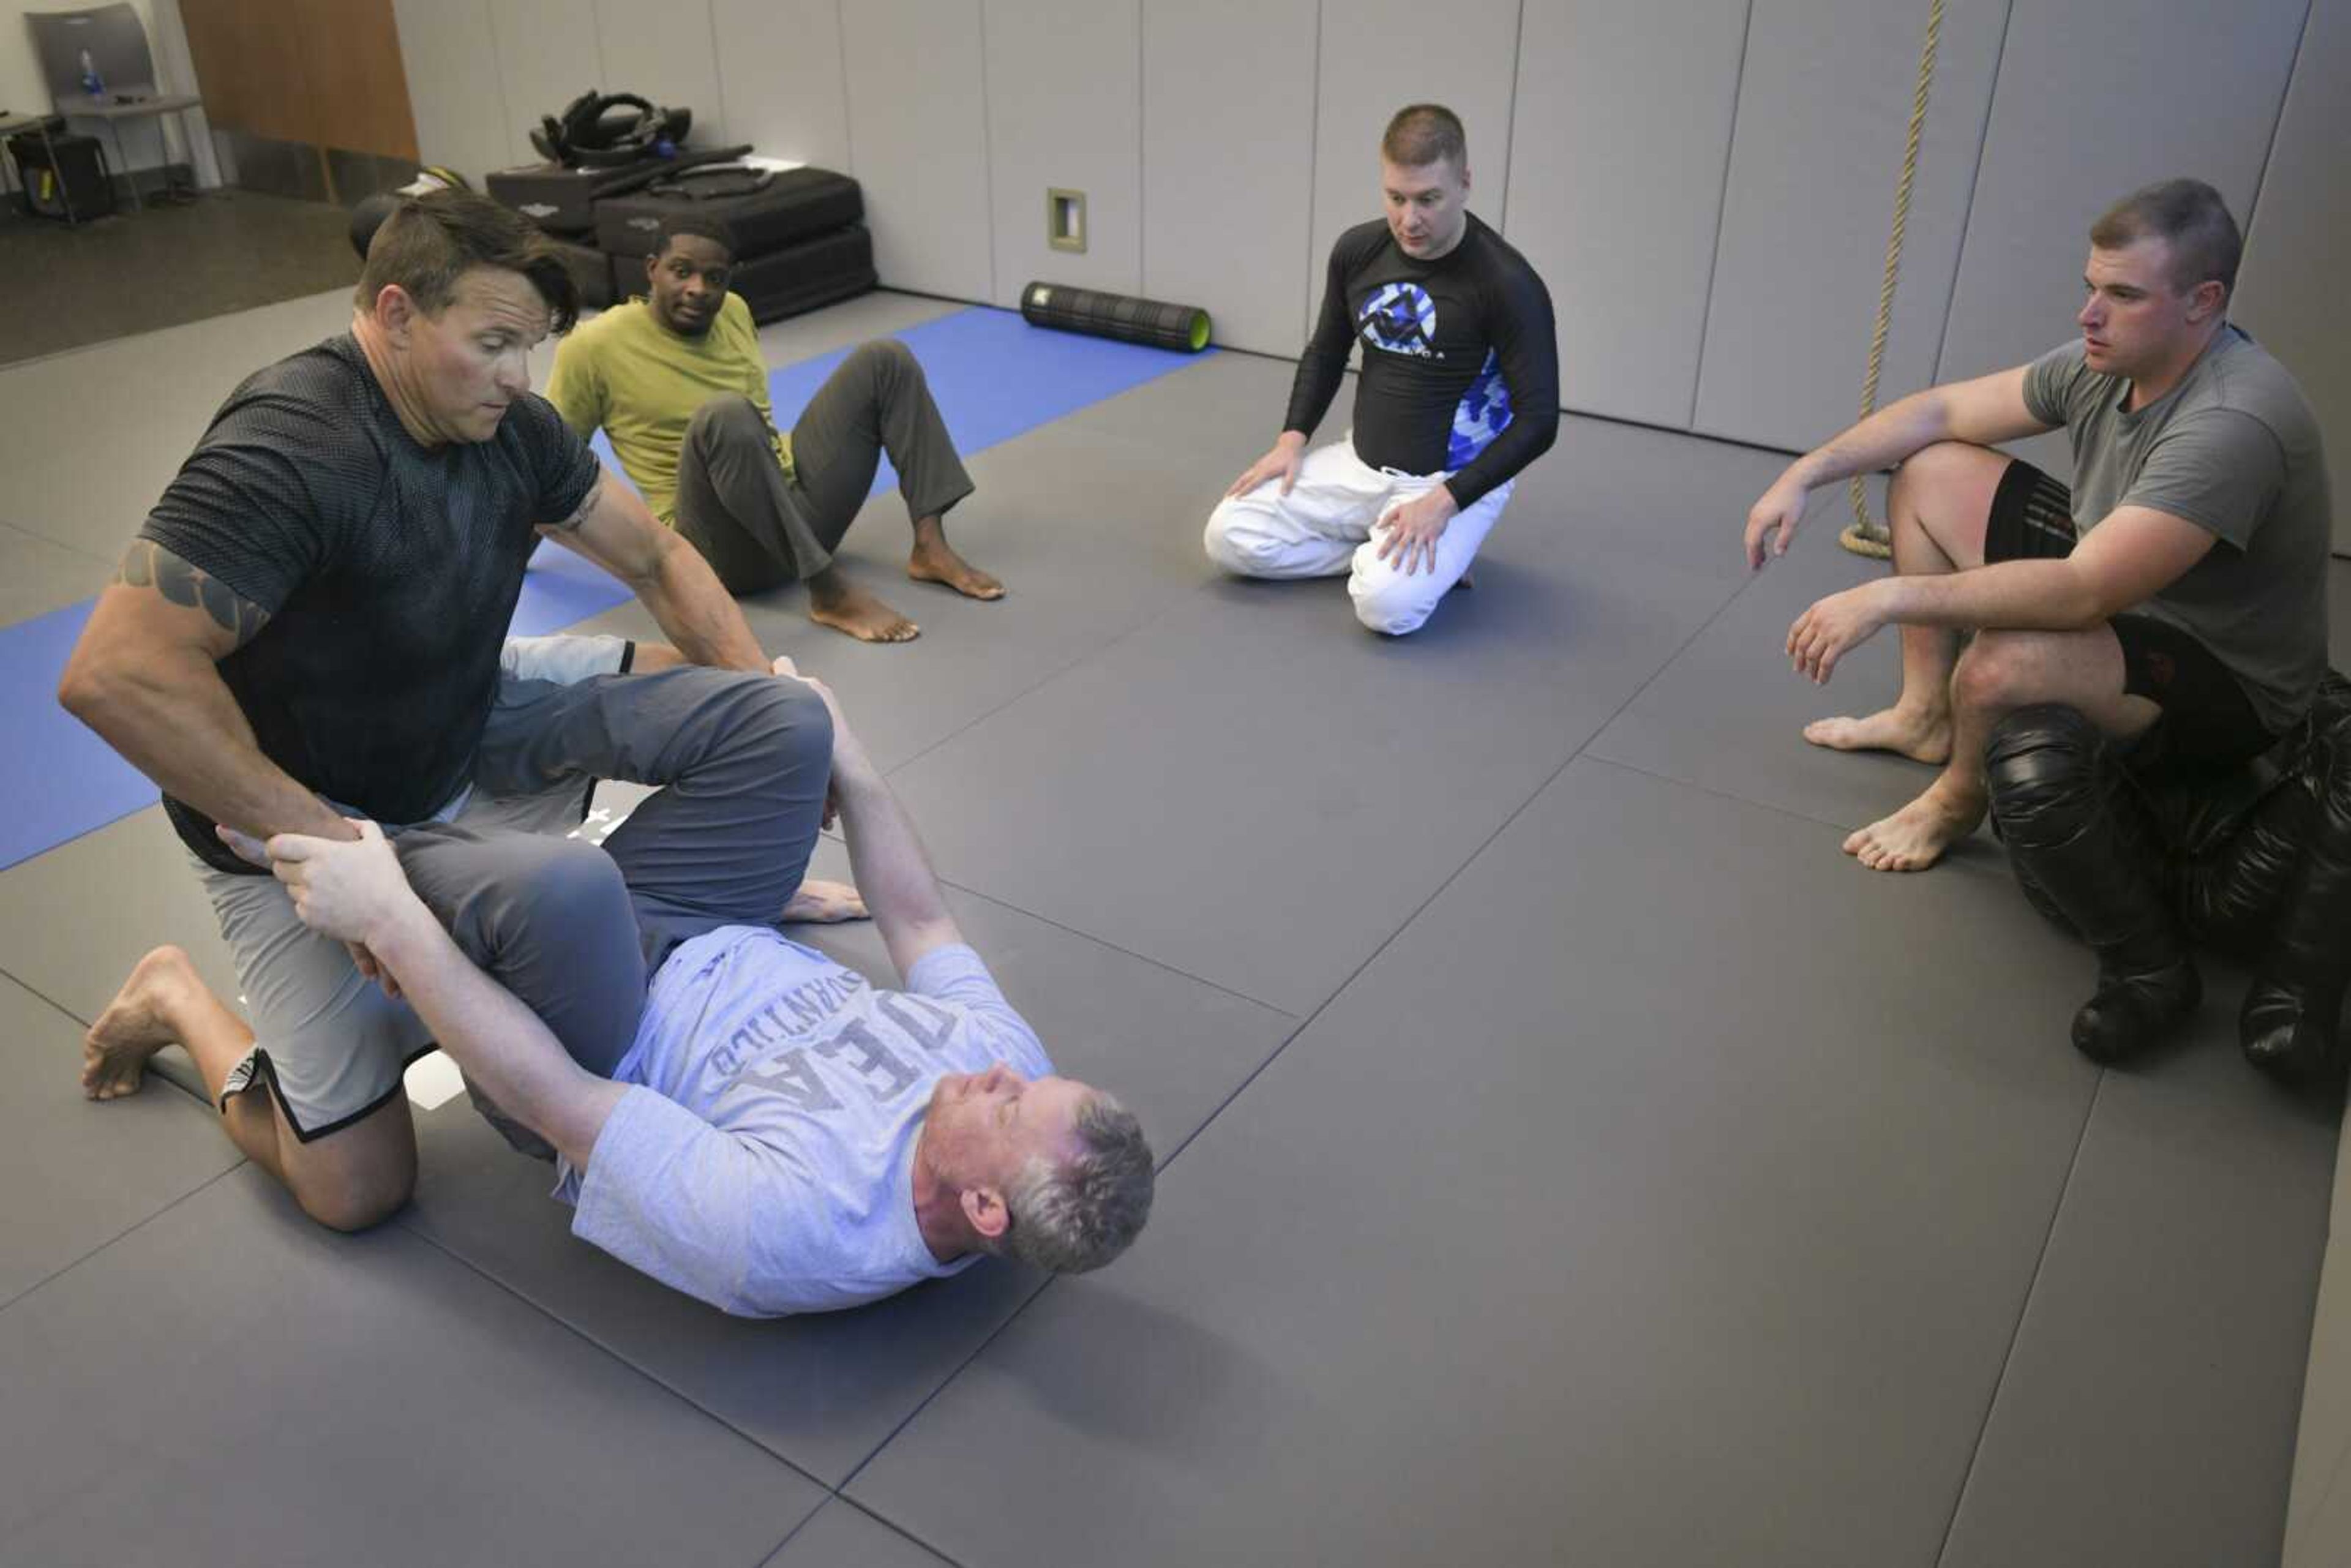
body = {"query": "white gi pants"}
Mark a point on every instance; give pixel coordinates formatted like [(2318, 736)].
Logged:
[(1324, 527)]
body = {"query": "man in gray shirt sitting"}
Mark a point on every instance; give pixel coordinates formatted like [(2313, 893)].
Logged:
[(2176, 597)]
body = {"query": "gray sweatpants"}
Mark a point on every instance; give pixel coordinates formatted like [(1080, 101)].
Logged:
[(759, 529), (573, 929)]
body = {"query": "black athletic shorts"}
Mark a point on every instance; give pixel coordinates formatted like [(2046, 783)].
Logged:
[(2207, 723)]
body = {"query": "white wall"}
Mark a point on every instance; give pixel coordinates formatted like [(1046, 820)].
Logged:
[(1705, 184)]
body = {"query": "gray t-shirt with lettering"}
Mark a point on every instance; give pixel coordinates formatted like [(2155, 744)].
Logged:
[(764, 1158), (2234, 449)]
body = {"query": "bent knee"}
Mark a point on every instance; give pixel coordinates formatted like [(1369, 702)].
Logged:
[(2003, 669), (778, 726), (1236, 542), (728, 415), (1940, 464), (567, 873), (1395, 609), (888, 355), (354, 1201)]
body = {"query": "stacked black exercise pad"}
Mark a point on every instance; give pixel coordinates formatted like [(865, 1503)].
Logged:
[(799, 240), (561, 199), (601, 144)]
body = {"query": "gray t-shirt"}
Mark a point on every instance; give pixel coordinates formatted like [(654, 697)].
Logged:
[(2234, 449), (764, 1158)]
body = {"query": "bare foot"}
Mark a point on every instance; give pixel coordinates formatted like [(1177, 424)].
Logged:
[(1921, 736), (135, 1025), (845, 607), (1915, 837), (934, 560), (821, 902)]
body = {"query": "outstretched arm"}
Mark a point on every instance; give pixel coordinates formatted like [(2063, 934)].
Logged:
[(885, 856), (1984, 411), (356, 892), (613, 528)]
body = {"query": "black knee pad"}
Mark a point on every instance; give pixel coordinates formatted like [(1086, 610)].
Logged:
[(2047, 768)]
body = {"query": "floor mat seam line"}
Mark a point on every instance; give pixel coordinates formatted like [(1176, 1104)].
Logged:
[(793, 1533), (2023, 1311), (408, 1226), (1043, 682), (1438, 892), (63, 1269), (886, 1522), (44, 997), (32, 536), (1790, 812), (1158, 964), (959, 1368)]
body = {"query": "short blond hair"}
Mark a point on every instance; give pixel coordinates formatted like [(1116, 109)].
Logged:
[(1425, 134)]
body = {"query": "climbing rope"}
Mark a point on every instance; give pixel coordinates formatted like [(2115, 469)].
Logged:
[(1868, 536)]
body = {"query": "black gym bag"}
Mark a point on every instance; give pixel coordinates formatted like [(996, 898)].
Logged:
[(765, 209), (610, 130), (785, 282)]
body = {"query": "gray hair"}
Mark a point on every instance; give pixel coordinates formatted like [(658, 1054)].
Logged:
[(1079, 1214)]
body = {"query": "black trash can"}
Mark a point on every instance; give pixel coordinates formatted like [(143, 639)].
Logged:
[(59, 168)]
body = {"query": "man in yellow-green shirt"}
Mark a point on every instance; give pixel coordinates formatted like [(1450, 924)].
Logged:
[(677, 382)]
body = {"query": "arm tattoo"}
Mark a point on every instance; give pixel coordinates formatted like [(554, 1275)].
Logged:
[(587, 510), (149, 565)]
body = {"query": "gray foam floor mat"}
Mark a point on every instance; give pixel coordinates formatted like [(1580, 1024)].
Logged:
[(76, 1173), (230, 1383), (1607, 1227), (842, 1535), (1566, 1153)]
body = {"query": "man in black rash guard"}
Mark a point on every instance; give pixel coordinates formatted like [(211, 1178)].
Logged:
[(1459, 391), (310, 626)]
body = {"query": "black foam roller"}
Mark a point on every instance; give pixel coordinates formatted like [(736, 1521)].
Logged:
[(1121, 316)]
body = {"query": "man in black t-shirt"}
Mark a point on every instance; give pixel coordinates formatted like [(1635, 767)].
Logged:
[(1459, 391), (309, 628)]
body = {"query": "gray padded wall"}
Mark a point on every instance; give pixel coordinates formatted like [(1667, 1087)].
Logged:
[(918, 128), (1378, 56), (668, 54), (548, 54), (446, 49), (1229, 166), (1823, 109), (1063, 84), (2286, 295), (2098, 97), (779, 70), (1622, 128)]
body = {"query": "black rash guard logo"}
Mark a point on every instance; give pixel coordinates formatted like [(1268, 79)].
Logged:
[(1401, 319)]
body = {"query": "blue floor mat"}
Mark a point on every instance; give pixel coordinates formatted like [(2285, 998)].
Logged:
[(994, 375)]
